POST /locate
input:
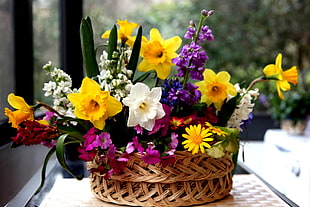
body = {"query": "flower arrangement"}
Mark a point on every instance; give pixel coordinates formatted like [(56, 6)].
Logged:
[(142, 97)]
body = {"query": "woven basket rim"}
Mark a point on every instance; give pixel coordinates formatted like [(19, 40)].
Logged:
[(187, 167)]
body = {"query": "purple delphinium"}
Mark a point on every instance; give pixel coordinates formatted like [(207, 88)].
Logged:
[(205, 34), (173, 93), (191, 58), (190, 34), (170, 90), (190, 95)]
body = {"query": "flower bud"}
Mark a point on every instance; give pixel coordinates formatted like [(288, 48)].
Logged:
[(204, 12), (210, 13), (192, 24)]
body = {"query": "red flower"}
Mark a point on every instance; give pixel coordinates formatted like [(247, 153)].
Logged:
[(32, 133)]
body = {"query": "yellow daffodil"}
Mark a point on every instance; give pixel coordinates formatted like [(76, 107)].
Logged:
[(215, 88), (283, 77), (157, 54), (124, 32), (93, 104), (23, 112), (197, 138)]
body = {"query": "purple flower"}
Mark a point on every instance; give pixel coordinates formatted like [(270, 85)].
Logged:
[(247, 122), (170, 90), (191, 58), (191, 31), (152, 156), (173, 94), (190, 95), (205, 34)]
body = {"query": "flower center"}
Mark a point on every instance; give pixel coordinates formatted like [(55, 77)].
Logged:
[(94, 104), (155, 53), (196, 139), (216, 91), (142, 106)]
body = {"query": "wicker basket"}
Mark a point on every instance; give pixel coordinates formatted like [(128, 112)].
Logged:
[(192, 180)]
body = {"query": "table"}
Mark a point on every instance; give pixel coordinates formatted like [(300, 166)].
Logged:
[(248, 191)]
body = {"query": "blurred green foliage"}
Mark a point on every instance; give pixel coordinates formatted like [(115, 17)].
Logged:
[(248, 33)]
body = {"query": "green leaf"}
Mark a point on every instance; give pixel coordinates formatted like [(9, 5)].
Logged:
[(60, 154), (43, 172), (112, 46), (226, 111), (133, 62), (88, 49), (216, 151)]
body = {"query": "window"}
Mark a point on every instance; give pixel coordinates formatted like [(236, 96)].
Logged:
[(6, 53)]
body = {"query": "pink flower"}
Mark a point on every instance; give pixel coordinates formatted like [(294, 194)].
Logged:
[(137, 145), (130, 147), (49, 115), (102, 140), (138, 129), (174, 141), (152, 156)]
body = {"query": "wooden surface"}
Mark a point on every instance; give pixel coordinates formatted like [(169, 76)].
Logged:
[(248, 191)]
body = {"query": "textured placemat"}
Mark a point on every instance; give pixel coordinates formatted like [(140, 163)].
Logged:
[(248, 191)]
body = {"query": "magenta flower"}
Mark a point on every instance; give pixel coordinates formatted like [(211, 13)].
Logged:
[(152, 156), (86, 155), (102, 140), (137, 145), (117, 165), (163, 123), (111, 151)]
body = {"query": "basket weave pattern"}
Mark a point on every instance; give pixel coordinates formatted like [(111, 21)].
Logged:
[(192, 180)]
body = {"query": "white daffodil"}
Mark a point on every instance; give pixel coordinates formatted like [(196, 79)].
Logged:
[(144, 106)]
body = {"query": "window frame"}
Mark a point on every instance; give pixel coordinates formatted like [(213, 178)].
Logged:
[(71, 13)]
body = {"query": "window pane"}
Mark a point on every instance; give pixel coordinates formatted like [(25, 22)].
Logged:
[(46, 41), (6, 53)]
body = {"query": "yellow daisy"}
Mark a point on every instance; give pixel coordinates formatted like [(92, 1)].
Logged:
[(157, 54), (197, 138), (215, 88), (283, 77), (215, 130)]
